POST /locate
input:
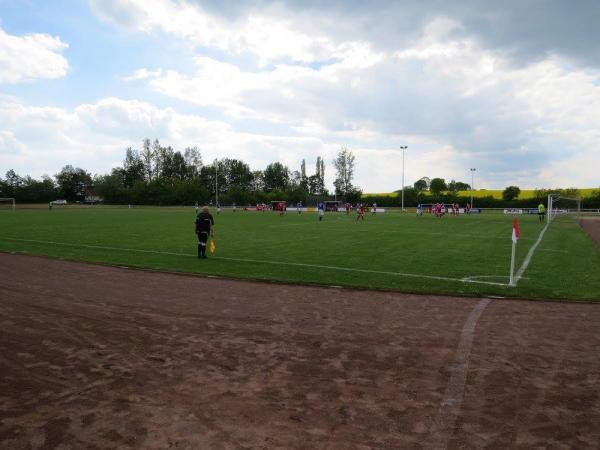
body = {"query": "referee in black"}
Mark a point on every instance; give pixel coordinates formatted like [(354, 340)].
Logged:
[(204, 228)]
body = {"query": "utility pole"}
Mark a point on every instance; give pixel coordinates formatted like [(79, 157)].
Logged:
[(216, 182), (472, 169), (403, 148)]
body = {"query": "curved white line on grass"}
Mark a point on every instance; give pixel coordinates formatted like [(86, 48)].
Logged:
[(553, 250), (475, 277), (443, 425), (260, 261), (523, 268)]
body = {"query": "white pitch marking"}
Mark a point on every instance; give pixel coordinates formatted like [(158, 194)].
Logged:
[(261, 261), (474, 277), (443, 426), (523, 268)]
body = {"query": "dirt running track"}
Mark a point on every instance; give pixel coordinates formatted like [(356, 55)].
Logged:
[(100, 357), (591, 225)]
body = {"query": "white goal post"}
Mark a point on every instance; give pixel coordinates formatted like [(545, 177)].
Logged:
[(7, 202), (561, 206)]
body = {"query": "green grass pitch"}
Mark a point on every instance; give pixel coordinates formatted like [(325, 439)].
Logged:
[(454, 255)]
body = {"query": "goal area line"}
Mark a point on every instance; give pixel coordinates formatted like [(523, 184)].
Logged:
[(466, 280)]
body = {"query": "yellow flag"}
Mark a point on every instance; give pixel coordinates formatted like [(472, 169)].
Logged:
[(212, 247)]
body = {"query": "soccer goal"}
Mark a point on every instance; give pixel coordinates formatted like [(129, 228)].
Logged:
[(7, 203), (563, 207)]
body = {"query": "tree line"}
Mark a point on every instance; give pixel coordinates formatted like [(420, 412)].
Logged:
[(159, 175)]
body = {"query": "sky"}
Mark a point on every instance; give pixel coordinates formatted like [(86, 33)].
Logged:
[(509, 88)]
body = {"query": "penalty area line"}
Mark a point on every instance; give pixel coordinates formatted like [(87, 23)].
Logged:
[(262, 261)]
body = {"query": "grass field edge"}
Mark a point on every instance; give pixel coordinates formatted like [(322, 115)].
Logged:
[(250, 279)]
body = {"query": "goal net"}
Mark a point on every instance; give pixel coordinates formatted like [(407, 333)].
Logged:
[(7, 203), (562, 208)]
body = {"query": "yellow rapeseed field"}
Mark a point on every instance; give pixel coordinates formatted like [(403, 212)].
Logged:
[(496, 193)]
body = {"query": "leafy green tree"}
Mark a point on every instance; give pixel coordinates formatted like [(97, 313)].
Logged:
[(178, 168), (438, 185), (42, 190), (316, 182), (111, 188), (72, 182), (13, 180), (314, 185), (258, 181), (303, 177), (134, 168), (276, 176), (155, 153), (458, 186), (571, 192), (511, 193), (165, 163), (193, 161), (353, 195), (237, 173), (147, 158), (211, 173), (344, 165), (420, 185), (295, 180)]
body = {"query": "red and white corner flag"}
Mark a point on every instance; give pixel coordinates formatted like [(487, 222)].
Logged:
[(516, 232)]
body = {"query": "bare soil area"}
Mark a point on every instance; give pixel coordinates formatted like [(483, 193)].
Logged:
[(591, 226), (101, 357)]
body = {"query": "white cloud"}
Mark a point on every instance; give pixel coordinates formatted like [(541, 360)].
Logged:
[(286, 92), (9, 144), (348, 73), (442, 94), (142, 74), (268, 35), (31, 57), (36, 140)]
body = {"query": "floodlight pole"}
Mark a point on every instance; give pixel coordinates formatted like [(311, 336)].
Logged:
[(472, 169), (216, 182), (403, 148)]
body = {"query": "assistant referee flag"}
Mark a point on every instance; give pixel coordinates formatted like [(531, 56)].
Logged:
[(516, 232)]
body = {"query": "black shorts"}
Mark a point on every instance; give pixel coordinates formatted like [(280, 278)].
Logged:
[(202, 236)]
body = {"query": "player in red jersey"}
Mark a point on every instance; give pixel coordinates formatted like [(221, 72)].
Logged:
[(360, 212)]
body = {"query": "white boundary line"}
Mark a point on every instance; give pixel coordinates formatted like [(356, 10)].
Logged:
[(523, 268), (261, 261), (443, 425)]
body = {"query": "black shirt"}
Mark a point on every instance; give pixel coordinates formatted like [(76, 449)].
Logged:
[(204, 221)]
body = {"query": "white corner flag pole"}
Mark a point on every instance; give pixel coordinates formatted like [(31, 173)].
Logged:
[(512, 264), (515, 238)]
